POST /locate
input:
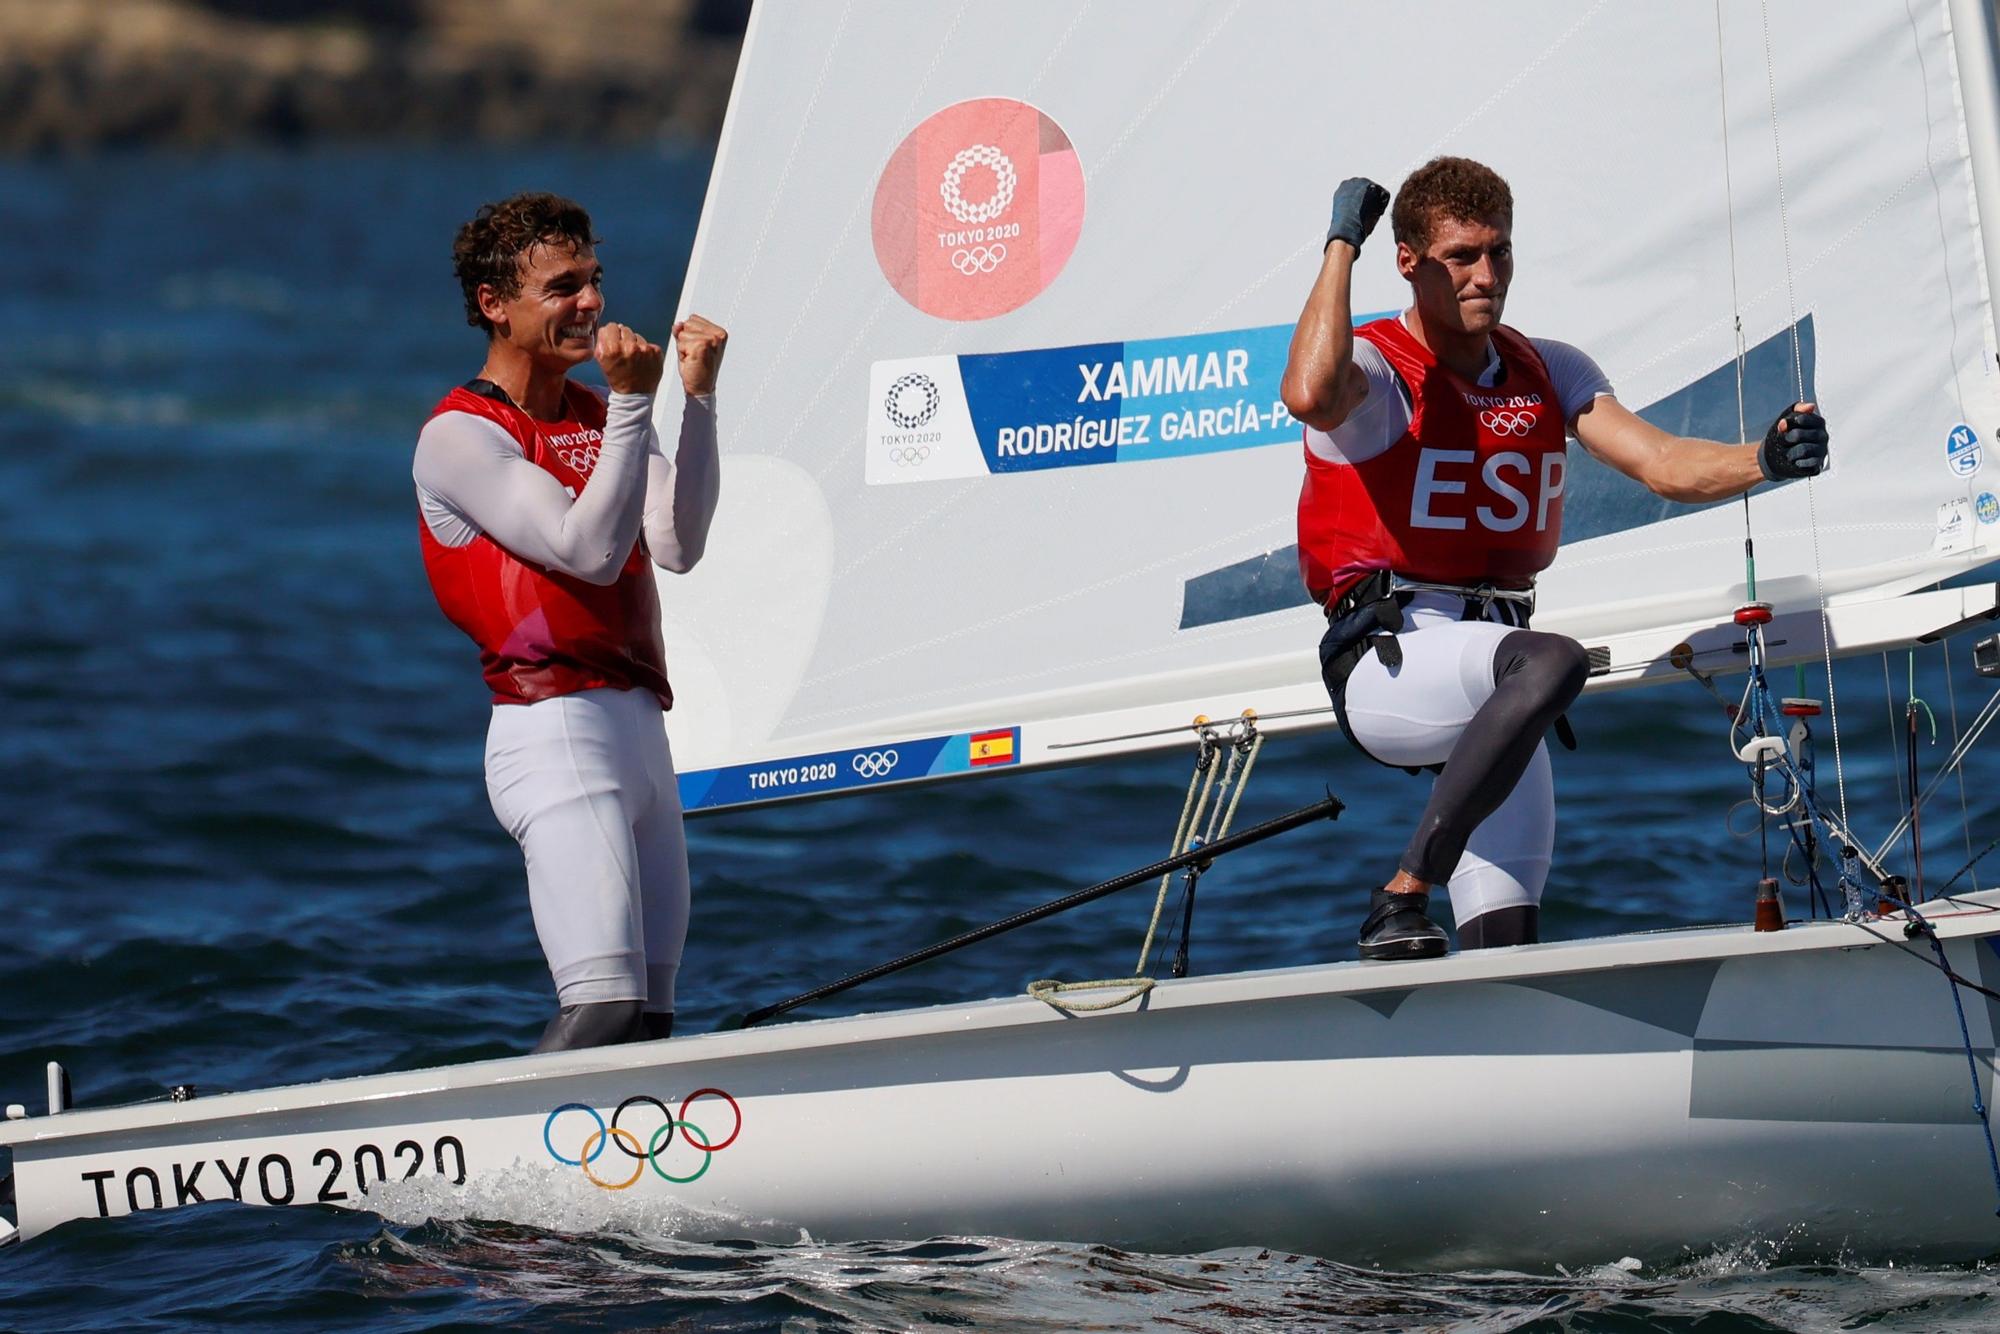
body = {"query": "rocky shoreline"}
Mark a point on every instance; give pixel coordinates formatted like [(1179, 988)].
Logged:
[(83, 75)]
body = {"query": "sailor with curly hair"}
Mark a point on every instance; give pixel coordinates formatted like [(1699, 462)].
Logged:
[(544, 506)]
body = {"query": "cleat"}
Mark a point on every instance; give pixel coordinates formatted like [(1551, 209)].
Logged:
[(1396, 928)]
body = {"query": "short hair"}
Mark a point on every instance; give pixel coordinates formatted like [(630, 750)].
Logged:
[(488, 249), (1448, 187)]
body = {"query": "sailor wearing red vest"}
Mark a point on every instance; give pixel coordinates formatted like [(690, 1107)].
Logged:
[(1433, 496), (543, 506)]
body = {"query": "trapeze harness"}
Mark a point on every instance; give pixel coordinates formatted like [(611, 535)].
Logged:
[(1476, 520)]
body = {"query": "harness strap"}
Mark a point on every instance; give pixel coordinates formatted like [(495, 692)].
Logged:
[(1370, 616)]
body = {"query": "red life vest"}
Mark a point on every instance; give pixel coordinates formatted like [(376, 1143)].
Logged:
[(542, 633), (1470, 494)]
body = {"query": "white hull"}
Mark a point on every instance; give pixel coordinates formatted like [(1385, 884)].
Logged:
[(1574, 1103)]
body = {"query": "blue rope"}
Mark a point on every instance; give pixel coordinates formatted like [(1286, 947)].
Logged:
[(1760, 696), (1965, 1036)]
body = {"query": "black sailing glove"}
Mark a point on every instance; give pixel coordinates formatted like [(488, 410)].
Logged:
[(1795, 446), (1357, 207)]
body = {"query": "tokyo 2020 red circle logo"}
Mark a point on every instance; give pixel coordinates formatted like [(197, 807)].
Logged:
[(978, 209)]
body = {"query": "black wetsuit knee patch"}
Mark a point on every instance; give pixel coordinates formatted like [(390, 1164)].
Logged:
[(1535, 677)]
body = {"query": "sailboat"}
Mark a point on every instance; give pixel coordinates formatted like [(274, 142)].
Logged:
[(1010, 485)]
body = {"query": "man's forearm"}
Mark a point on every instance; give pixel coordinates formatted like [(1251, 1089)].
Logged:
[(681, 492), (1695, 471)]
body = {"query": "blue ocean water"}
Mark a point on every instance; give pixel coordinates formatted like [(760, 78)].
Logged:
[(244, 838)]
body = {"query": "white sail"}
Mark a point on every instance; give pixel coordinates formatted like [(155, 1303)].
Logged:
[(1010, 287)]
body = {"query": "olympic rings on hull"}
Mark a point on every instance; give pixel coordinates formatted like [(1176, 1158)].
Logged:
[(648, 1153)]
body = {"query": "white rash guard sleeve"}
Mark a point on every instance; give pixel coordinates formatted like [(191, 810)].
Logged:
[(681, 491), (1385, 414), (472, 478)]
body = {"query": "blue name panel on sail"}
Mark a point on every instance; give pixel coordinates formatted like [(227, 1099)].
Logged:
[(838, 770), (979, 414)]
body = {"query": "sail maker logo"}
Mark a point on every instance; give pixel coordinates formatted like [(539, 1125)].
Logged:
[(978, 209)]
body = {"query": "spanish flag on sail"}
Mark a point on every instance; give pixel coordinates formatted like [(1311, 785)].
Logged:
[(993, 747)]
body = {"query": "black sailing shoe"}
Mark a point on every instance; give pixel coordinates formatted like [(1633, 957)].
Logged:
[(1396, 928)]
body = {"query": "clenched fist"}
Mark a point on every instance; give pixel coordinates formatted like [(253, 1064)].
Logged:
[(1795, 446), (631, 364), (700, 343)]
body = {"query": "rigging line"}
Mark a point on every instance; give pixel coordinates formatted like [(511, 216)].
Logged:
[(1729, 214), (1969, 864), (1924, 959), (1328, 808), (1964, 805), (1943, 965), (1980, 723), (1185, 727), (1895, 750), (1799, 379), (1204, 766)]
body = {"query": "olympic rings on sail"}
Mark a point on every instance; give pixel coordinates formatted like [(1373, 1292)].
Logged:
[(647, 1154), (1502, 421), (875, 763), (910, 457), (978, 259), (979, 155)]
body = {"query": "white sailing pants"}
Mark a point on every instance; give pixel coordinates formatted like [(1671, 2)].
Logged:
[(1414, 715), (585, 783)]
